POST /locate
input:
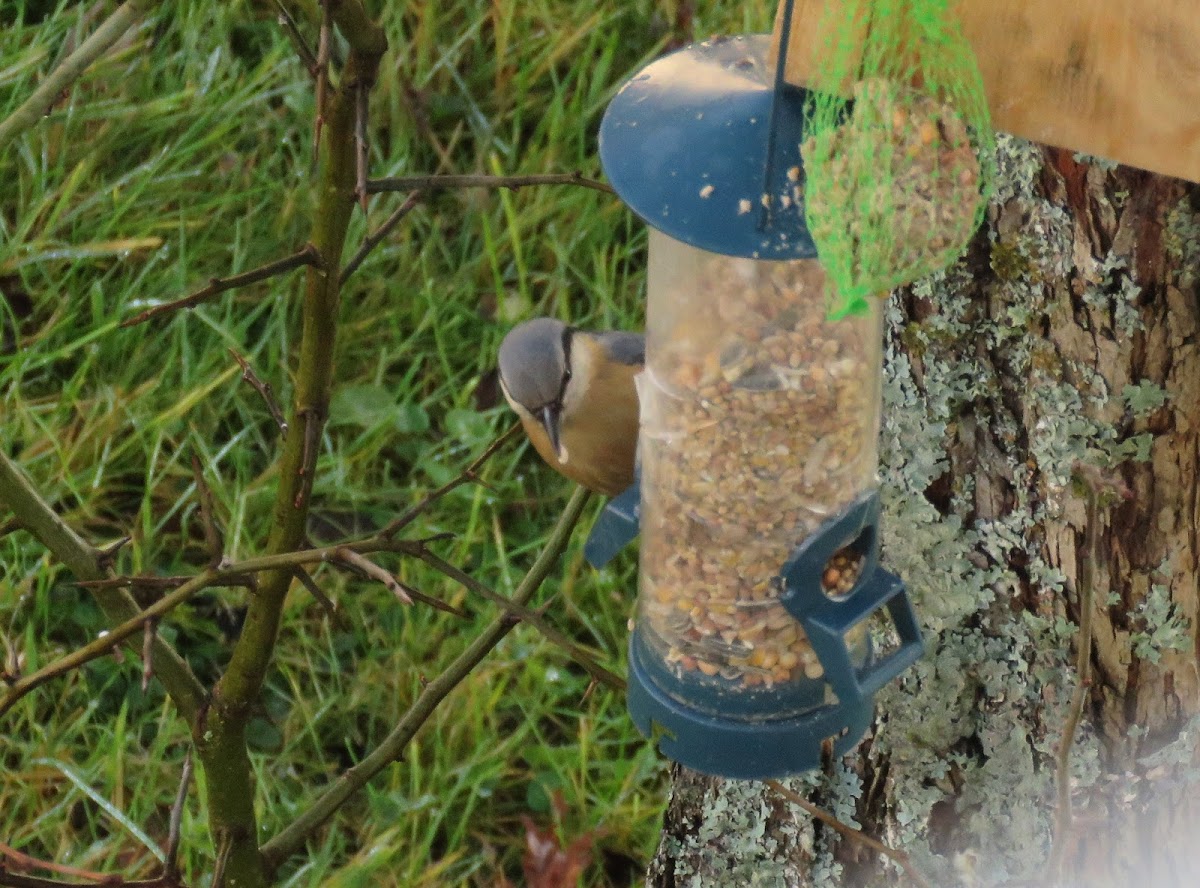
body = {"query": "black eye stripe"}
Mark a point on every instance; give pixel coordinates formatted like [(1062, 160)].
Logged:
[(567, 338)]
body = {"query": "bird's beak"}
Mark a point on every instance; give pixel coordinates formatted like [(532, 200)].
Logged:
[(550, 423)]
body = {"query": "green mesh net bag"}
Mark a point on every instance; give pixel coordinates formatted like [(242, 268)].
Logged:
[(899, 153)]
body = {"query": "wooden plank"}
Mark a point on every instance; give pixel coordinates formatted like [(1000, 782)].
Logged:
[(1119, 79)]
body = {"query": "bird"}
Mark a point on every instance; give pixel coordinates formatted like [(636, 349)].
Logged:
[(575, 395)]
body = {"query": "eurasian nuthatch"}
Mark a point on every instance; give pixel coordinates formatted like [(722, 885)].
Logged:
[(575, 395)]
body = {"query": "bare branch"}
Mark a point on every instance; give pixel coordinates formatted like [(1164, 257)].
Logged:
[(293, 31), (372, 240), (212, 534), (176, 823), (897, 857), (438, 183), (264, 390), (374, 571), (465, 476), (312, 422), (84, 561), (70, 70), (292, 838), (106, 642), (525, 615), (362, 108), (148, 654), (107, 555), (322, 70), (141, 582), (223, 852), (306, 256), (307, 581), (22, 861)]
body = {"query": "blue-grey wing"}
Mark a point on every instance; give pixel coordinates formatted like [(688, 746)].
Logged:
[(624, 347)]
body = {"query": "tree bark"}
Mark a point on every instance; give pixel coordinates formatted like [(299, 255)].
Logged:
[(1067, 334)]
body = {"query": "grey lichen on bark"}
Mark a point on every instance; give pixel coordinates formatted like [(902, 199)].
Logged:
[(1066, 334)]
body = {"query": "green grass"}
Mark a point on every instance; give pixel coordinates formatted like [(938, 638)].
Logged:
[(184, 154)]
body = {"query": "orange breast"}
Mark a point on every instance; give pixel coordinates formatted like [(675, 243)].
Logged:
[(601, 440)]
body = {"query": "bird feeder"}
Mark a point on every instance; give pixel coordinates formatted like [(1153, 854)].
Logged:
[(751, 654)]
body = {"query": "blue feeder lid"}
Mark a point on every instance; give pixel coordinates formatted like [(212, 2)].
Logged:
[(690, 144)]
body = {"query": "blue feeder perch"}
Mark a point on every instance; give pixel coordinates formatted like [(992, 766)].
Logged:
[(756, 499)]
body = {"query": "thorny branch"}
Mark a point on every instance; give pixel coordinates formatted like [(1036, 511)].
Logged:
[(419, 186), (88, 563), (212, 534), (306, 256), (293, 31), (241, 573), (855, 835), (372, 240), (11, 857), (221, 745), (374, 571), (108, 640), (440, 182), (361, 115), (148, 653), (467, 475), (307, 581), (264, 390), (322, 73), (292, 838), (176, 822), (70, 69), (522, 614)]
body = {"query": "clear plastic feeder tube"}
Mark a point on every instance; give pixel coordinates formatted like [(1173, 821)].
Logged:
[(760, 421)]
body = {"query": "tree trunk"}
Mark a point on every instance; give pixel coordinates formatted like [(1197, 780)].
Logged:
[(1066, 335)]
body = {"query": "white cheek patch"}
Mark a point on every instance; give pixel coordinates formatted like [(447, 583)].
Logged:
[(563, 456)]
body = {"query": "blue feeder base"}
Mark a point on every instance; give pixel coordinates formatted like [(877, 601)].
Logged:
[(730, 731), (745, 750)]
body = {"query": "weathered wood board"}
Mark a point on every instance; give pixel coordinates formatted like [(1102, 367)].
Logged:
[(1119, 79)]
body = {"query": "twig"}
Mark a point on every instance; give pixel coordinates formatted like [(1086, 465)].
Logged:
[(148, 654), (176, 822), (855, 835), (212, 534), (312, 431), (292, 838), (438, 183), (465, 476), (23, 861), (155, 583), (372, 240), (322, 71), (107, 642), (107, 555), (374, 571), (307, 581), (83, 561), (13, 880), (306, 256), (70, 69), (239, 573), (303, 50), (264, 390), (362, 109), (226, 848), (524, 615)]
